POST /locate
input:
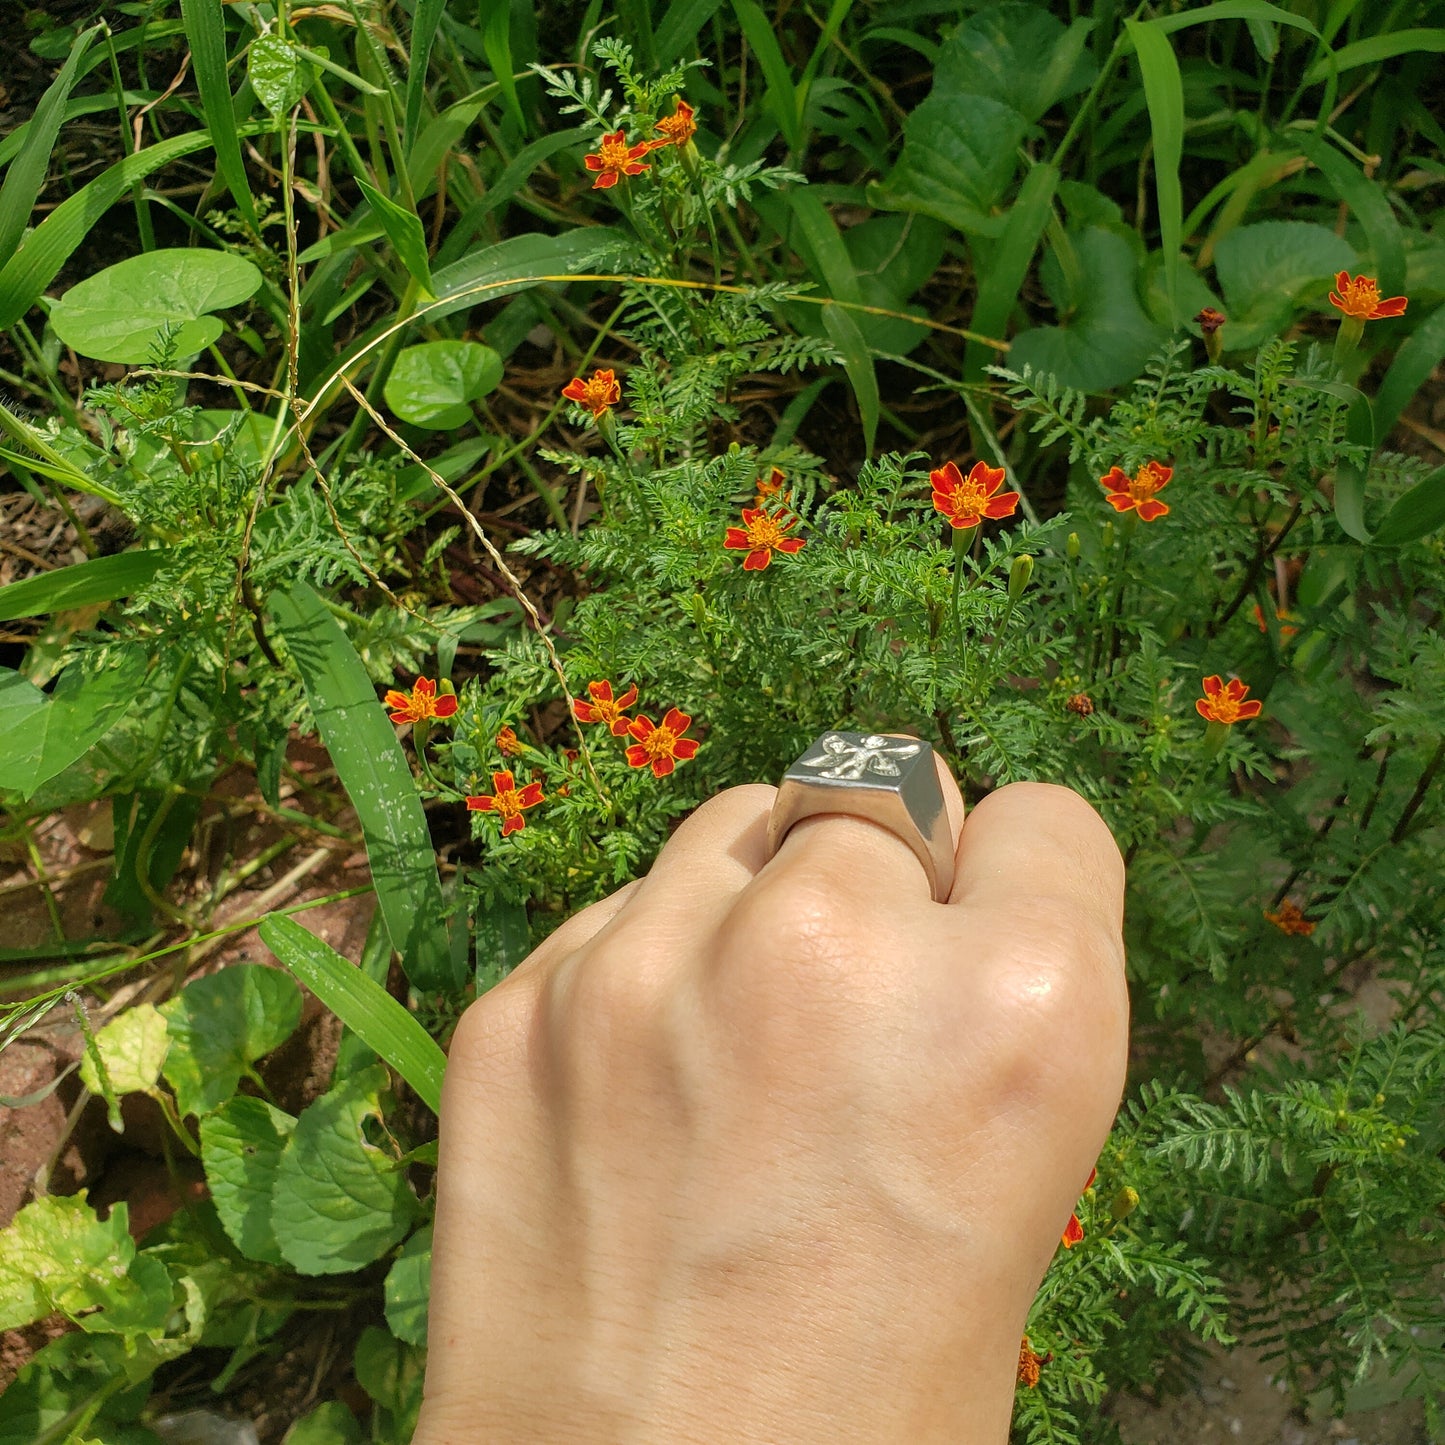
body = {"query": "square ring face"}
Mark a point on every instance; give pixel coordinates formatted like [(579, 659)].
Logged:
[(870, 758)]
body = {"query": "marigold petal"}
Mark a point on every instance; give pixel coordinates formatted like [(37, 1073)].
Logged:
[(425, 687), (575, 390), (963, 521), (677, 720), (503, 783), (584, 711), (482, 804), (1250, 709), (446, 704), (1213, 686), (620, 728), (662, 766), (401, 717), (946, 477), (511, 824), (1073, 1232), (637, 756), (1395, 306), (397, 699), (592, 162), (758, 559), (943, 502), (685, 748), (736, 539), (991, 478), (605, 181), (642, 727), (1151, 509), (530, 796), (600, 691), (1121, 501), (792, 544), (1115, 480), (629, 697), (1002, 506), (1204, 708)]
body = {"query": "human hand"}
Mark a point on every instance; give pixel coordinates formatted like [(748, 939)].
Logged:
[(763, 1151)]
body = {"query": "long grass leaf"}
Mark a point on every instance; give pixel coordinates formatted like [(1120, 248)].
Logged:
[(1253, 10), (27, 172), (1418, 513), (102, 579), (424, 24), (374, 772), (1164, 93), (1368, 202), (858, 363), (206, 31), (1376, 48), (363, 1005), (1415, 362), (52, 243), (497, 44), (781, 98), (681, 22)]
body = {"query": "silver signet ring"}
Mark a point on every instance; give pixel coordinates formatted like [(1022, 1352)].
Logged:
[(887, 780)]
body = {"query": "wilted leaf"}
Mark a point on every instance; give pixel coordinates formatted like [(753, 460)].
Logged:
[(57, 1254), (133, 1048)]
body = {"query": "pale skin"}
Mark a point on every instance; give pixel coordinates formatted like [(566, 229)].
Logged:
[(779, 1150)]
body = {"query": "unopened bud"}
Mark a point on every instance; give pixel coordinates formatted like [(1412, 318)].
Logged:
[(1018, 576), (1379, 1100), (1106, 537), (1073, 547), (445, 688), (698, 607), (1124, 1203)]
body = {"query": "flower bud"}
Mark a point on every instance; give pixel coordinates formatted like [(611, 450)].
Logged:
[(1106, 537), (1018, 576), (1124, 1203), (1073, 547)]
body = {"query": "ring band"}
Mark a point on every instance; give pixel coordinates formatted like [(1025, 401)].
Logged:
[(887, 780)]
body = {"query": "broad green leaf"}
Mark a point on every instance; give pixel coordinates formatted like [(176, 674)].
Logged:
[(893, 256), (1266, 269), (118, 313), (1164, 92), (408, 1289), (438, 140), (279, 74), (57, 1255), (102, 579), (132, 1046), (369, 761), (206, 31), (1109, 337), (241, 1144), (72, 1377), (152, 829), (433, 382), (362, 1004), (1415, 362), (1370, 205), (404, 230), (41, 735), (1418, 513), (50, 245), (220, 1025), (339, 1202), (328, 1424), (26, 173), (391, 1372), (136, 1304)]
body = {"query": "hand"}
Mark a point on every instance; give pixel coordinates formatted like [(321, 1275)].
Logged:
[(778, 1151)]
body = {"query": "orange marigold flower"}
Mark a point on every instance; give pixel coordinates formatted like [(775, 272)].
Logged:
[(677, 129), (1209, 320), (507, 801), (1081, 703), (761, 534), (1224, 703), (658, 746), (1289, 919), (614, 158), (1073, 1230), (604, 708), (421, 702), (509, 744), (1285, 627), (598, 395), (1360, 298), (1136, 493), (1030, 1364), (771, 488), (967, 500)]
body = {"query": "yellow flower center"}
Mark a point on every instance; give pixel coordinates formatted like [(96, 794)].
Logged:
[(1226, 708), (765, 531), (614, 153), (1361, 296), (507, 804), (677, 128), (598, 394), (968, 499), (1146, 482), (660, 743)]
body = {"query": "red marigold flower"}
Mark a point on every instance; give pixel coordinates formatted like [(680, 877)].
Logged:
[(761, 534), (598, 395), (967, 500), (1224, 703), (1030, 1364), (509, 744), (771, 488), (657, 746), (677, 129), (1209, 320), (1286, 629), (604, 708), (1128, 493), (614, 158), (1290, 919), (1073, 1230), (421, 702), (507, 801), (1360, 298)]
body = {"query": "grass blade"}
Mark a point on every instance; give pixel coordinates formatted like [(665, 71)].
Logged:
[(781, 99), (1419, 354), (1375, 49), (1255, 11), (1371, 208), (102, 579), (206, 31), (27, 172), (362, 1004), (681, 22), (405, 232), (52, 243), (423, 31), (377, 779), (1164, 93)]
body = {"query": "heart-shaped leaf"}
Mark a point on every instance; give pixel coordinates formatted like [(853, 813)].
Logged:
[(434, 382), (1265, 269), (119, 313)]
